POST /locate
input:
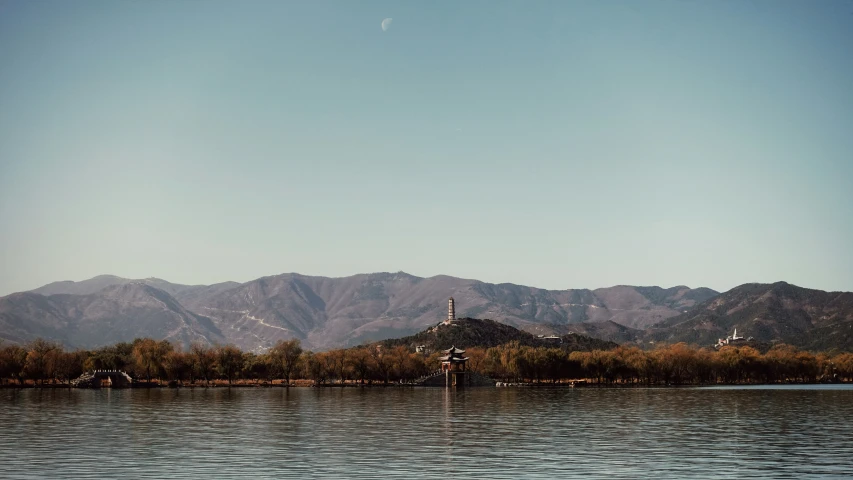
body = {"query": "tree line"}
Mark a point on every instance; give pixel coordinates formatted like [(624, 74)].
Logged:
[(146, 359), (675, 364)]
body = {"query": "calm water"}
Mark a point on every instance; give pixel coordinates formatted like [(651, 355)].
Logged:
[(428, 433)]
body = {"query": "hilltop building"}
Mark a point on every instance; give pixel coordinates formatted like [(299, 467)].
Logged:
[(451, 311), (732, 339), (454, 364), (550, 338)]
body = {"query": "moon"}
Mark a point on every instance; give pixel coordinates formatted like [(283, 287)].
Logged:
[(386, 24)]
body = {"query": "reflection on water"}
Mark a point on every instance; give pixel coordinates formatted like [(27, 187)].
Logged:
[(428, 433)]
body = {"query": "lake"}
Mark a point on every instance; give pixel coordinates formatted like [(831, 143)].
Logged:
[(725, 432)]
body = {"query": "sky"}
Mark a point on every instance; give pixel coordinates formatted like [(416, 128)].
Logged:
[(564, 144)]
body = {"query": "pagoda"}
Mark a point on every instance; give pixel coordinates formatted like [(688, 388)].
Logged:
[(451, 312), (453, 364)]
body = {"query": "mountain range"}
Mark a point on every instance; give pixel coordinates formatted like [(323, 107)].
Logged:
[(328, 312), (778, 312)]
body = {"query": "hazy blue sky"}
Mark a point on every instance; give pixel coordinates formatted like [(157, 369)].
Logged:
[(555, 144)]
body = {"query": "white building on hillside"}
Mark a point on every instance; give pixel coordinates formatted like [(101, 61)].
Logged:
[(730, 340)]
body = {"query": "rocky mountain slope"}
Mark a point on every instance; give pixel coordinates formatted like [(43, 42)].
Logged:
[(326, 312), (115, 313), (332, 312), (778, 312)]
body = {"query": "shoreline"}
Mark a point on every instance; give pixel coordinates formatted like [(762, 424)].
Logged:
[(63, 386)]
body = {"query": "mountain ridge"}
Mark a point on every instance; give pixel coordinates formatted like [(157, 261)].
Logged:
[(325, 312), (328, 312), (776, 312), (118, 312)]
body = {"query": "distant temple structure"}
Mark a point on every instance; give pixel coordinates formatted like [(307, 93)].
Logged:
[(453, 364), (732, 339), (451, 311)]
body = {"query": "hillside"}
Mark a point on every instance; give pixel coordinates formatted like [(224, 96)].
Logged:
[(332, 312), (114, 314), (485, 333), (337, 312), (186, 294), (610, 331), (778, 312)]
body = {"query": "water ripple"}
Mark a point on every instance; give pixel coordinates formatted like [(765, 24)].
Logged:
[(428, 433)]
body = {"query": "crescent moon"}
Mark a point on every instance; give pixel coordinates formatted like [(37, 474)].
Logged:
[(386, 24)]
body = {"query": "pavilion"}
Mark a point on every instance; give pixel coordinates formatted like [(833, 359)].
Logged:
[(453, 364)]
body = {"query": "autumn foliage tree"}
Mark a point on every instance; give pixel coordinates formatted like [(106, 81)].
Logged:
[(41, 360), (148, 355), (13, 358), (44, 361), (285, 356), (176, 366), (229, 361), (201, 360)]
